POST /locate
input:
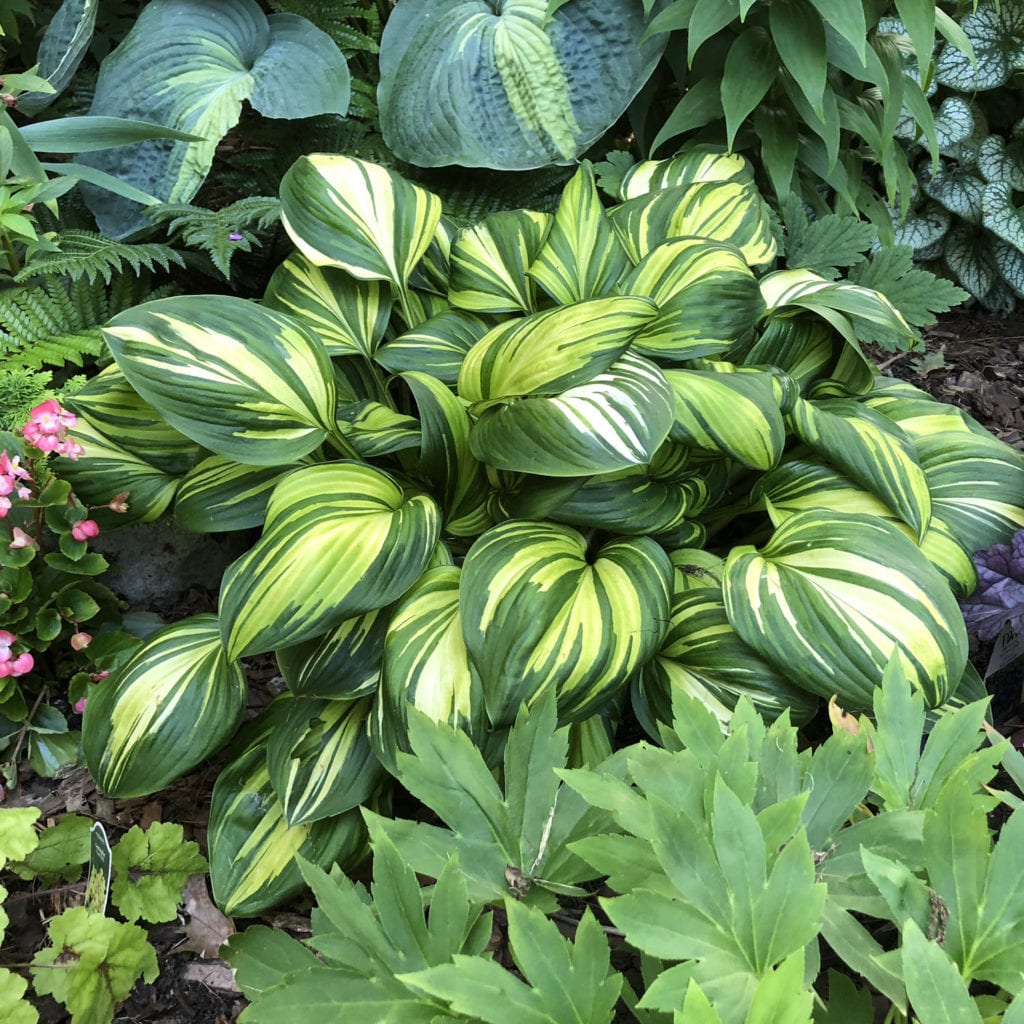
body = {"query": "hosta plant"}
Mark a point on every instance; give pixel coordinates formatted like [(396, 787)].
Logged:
[(577, 454)]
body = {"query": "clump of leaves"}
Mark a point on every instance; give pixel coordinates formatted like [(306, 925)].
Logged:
[(999, 599)]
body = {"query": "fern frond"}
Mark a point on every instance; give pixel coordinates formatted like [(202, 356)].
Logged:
[(21, 390), (88, 254), (479, 192), (221, 233), (355, 27)]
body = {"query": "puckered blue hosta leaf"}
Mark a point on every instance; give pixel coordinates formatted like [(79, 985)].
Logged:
[(687, 168), (340, 540), (958, 188), (471, 83), (995, 31), (539, 613), (613, 421), (832, 597), (244, 381), (999, 598), (489, 262), (176, 701), (437, 346), (61, 49), (190, 64)]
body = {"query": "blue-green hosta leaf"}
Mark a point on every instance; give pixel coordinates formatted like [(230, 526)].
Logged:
[(706, 295), (220, 494), (61, 49), (539, 613), (343, 664), (703, 656), (246, 382), (115, 408), (437, 346), (489, 262), (832, 597), (253, 852), (733, 414), (729, 211), (581, 257), (615, 420), (190, 64), (995, 31), (340, 540), (547, 353), (349, 315), (465, 82), (177, 701), (348, 213), (319, 759), (968, 253), (427, 667), (871, 450), (958, 188), (687, 168)]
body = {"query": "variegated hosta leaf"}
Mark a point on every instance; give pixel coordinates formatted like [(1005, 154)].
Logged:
[(703, 656), (581, 258), (106, 470), (426, 666), (436, 347), (115, 408), (734, 414), (348, 315), (831, 597), (943, 550), (685, 169), (919, 416), (731, 211), (539, 612), (253, 852), (871, 450), (618, 419), (220, 495), (344, 212), (320, 760), (176, 701), (340, 540), (356, 380), (340, 665), (446, 463), (246, 382), (706, 295), (550, 352), (834, 301), (432, 272), (696, 569), (802, 347), (374, 429), (489, 262)]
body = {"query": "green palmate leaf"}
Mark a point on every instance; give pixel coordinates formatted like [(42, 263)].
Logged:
[(349, 316), (12, 1004), (550, 352), (581, 257), (224, 52), (436, 347), (340, 540), (707, 298), (615, 420), (343, 664), (510, 88), (489, 262), (319, 759), (731, 212), (99, 962), (18, 837), (347, 213), (734, 414), (538, 613), (267, 394), (832, 597), (62, 850), (176, 701), (151, 869), (694, 164), (427, 667)]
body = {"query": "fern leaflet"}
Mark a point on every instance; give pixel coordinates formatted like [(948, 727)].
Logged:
[(88, 254)]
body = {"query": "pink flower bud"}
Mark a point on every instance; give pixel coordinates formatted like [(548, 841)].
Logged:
[(84, 529), (6, 639), (21, 540), (79, 705), (79, 641), (22, 663), (97, 677)]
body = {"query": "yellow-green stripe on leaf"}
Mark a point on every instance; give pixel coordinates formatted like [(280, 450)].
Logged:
[(437, 346), (540, 612), (176, 701), (246, 382), (831, 597), (684, 169), (348, 213), (546, 353), (340, 540), (489, 261), (617, 419)]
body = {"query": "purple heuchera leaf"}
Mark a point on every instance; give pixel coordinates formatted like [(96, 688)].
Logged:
[(999, 598)]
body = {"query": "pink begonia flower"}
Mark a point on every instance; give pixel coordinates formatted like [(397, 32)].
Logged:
[(79, 705), (79, 641), (119, 502), (49, 418), (21, 540), (5, 507), (24, 493), (97, 677), (18, 667), (84, 529), (12, 467), (70, 449), (6, 484), (6, 639)]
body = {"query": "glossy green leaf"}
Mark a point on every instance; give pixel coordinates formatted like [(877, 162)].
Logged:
[(750, 70), (694, 164)]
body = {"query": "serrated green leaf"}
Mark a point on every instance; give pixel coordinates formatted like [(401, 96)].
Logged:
[(13, 1006), (936, 990), (61, 852), (262, 956), (18, 837)]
